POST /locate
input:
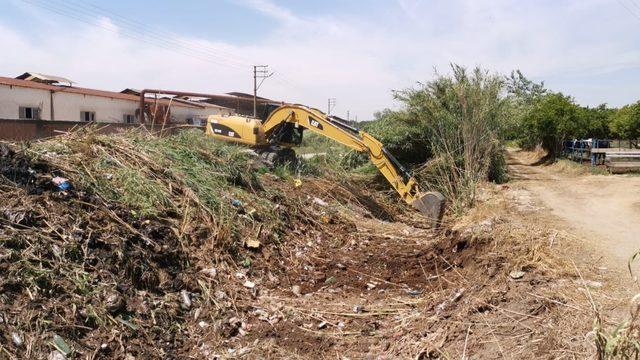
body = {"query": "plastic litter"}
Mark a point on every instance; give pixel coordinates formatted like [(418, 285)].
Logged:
[(62, 183)]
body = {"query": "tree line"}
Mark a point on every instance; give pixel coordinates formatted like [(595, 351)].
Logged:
[(543, 117), (452, 129)]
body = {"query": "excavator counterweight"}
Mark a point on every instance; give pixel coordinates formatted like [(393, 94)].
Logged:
[(284, 127)]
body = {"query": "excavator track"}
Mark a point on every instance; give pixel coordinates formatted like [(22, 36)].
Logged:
[(277, 156)]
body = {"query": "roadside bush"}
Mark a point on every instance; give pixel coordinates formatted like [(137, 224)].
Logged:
[(597, 120), (460, 119), (406, 137), (625, 122), (553, 119)]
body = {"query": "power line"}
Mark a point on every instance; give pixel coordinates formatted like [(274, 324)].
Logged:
[(87, 13), (331, 103), (156, 33), (629, 10), (635, 4), (259, 72), (163, 43)]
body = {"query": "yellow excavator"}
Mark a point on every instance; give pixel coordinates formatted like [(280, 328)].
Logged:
[(274, 138)]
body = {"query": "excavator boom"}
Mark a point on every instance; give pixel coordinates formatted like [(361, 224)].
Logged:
[(430, 204)]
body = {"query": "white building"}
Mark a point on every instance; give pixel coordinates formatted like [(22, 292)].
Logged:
[(34, 96)]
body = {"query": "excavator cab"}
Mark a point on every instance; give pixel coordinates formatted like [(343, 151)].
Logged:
[(287, 135)]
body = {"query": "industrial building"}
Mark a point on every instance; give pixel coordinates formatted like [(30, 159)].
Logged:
[(33, 96)]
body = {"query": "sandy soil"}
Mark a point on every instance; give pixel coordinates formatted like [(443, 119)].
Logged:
[(603, 210)]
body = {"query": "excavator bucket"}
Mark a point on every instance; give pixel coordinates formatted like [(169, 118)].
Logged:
[(431, 205)]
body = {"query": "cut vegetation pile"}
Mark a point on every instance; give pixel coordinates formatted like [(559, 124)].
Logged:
[(180, 247)]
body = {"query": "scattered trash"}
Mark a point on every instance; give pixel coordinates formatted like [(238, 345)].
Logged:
[(56, 355), (371, 285), (295, 289), (185, 303), (358, 309), (62, 183), (319, 201), (414, 292), (61, 345), (516, 274), (249, 284), (341, 266), (297, 182), (322, 325), (236, 202), (341, 325), (210, 272), (17, 339), (252, 243)]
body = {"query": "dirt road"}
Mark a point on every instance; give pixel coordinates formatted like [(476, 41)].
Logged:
[(603, 210)]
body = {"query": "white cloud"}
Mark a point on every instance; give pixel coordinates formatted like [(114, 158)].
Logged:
[(356, 59)]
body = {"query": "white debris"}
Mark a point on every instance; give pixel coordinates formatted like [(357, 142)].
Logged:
[(516, 274), (320, 201), (210, 272), (186, 300)]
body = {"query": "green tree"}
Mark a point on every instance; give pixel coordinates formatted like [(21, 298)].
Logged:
[(625, 123), (553, 119), (596, 120), (522, 95)]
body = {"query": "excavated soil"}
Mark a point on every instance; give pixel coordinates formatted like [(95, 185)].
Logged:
[(351, 277)]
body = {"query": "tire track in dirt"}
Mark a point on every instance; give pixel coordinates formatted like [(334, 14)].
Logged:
[(603, 210)]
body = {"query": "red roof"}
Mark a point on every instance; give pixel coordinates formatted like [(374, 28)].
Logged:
[(83, 91)]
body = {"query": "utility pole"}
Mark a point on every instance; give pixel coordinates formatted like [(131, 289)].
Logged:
[(259, 72), (348, 115), (331, 103)]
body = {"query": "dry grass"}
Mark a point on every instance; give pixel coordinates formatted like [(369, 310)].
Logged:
[(112, 262)]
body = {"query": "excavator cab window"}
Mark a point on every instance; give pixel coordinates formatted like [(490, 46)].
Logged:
[(289, 133)]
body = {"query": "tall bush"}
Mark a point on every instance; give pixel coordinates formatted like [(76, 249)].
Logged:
[(461, 115)]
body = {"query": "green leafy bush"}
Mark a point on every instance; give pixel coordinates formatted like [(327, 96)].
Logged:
[(451, 126), (553, 119), (625, 122)]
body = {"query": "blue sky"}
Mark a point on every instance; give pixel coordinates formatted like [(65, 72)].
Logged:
[(354, 51)]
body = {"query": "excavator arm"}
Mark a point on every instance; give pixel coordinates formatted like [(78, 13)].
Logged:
[(430, 204)]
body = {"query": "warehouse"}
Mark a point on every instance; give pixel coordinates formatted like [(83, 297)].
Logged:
[(34, 96)]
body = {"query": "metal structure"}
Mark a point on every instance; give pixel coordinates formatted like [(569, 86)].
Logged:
[(613, 154), (144, 92)]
